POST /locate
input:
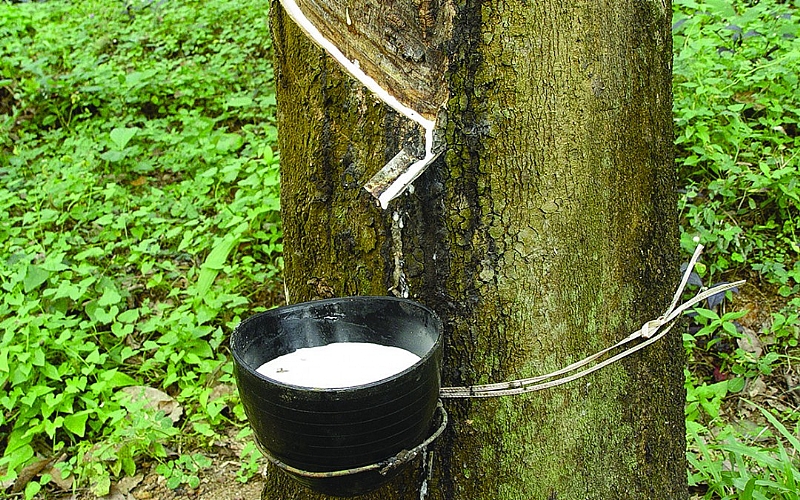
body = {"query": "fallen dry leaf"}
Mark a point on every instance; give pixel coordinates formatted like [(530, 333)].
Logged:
[(29, 472), (156, 400), (753, 431), (128, 483), (793, 386), (756, 387), (778, 406), (116, 494), (221, 391), (749, 342), (65, 483)]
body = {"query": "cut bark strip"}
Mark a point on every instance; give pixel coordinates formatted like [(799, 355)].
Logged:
[(397, 54), (399, 45)]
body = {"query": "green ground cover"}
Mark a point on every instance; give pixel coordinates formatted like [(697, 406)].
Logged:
[(737, 107), (139, 223), (139, 206)]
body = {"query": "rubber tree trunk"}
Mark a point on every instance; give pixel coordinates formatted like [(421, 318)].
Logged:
[(546, 232)]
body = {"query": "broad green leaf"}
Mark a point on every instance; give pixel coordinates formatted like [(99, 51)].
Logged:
[(34, 276), (128, 465), (115, 378), (38, 357), (721, 7), (90, 252), (204, 429), (239, 102), (200, 348), (51, 372), (54, 263), (76, 423), (137, 78), (707, 313), (202, 461), (204, 281), (67, 289), (13, 458), (110, 296), (747, 493), (100, 314), (214, 262), (205, 313), (128, 316), (127, 352), (94, 357), (229, 142), (121, 329), (211, 172), (734, 315), (219, 254), (32, 489), (165, 469), (174, 481), (108, 316), (736, 384), (730, 328), (102, 487), (113, 156), (52, 426), (122, 135)]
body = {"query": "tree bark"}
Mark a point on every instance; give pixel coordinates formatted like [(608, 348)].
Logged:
[(546, 232)]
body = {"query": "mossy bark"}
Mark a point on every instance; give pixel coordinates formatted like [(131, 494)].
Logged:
[(545, 233)]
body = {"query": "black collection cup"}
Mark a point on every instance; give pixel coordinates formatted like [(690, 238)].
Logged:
[(324, 430)]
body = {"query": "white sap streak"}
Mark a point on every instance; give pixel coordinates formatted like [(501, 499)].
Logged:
[(337, 365), (412, 172), (352, 67)]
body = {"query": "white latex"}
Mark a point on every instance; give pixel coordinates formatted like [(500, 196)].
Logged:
[(337, 365)]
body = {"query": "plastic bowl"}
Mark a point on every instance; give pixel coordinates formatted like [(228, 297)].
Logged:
[(324, 430)]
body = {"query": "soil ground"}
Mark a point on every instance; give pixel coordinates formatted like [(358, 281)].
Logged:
[(215, 484), (218, 482)]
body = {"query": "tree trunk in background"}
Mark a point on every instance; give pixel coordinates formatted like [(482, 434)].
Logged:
[(546, 232)]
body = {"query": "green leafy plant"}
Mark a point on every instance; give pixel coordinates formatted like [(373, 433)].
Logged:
[(712, 322), (250, 458), (139, 203), (736, 112), (703, 401), (730, 458), (786, 325), (184, 470), (736, 115), (139, 197), (732, 466)]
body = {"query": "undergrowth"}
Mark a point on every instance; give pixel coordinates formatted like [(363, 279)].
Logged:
[(139, 207), (737, 107)]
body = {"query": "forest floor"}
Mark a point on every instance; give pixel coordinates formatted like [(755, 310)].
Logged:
[(218, 480)]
